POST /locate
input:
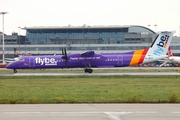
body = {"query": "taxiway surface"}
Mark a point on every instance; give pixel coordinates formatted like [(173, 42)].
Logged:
[(94, 74), (73, 73), (90, 112), (124, 68)]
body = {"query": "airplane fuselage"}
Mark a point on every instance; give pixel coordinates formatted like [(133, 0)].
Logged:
[(80, 61), (174, 59)]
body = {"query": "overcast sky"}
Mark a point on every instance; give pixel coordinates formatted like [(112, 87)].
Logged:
[(27, 13)]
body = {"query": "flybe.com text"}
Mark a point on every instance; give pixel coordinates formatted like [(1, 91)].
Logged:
[(45, 61), (161, 45)]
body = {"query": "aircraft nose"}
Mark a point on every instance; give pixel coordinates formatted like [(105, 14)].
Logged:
[(10, 66)]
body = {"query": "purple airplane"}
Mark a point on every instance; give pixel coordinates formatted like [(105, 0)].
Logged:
[(88, 60)]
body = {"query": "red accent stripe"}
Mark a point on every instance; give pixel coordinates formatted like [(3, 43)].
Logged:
[(143, 55)]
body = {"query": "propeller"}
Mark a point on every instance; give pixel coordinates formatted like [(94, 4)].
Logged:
[(64, 55)]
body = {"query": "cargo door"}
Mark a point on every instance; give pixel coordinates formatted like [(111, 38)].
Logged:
[(120, 60)]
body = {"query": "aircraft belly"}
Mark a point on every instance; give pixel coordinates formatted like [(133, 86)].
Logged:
[(153, 58), (177, 60)]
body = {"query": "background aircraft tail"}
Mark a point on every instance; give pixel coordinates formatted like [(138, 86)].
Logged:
[(16, 57), (170, 52), (16, 53), (161, 43)]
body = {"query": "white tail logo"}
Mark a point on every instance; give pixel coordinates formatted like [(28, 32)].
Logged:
[(161, 45)]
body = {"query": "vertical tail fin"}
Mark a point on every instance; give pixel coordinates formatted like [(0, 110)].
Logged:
[(16, 53), (170, 52), (161, 43)]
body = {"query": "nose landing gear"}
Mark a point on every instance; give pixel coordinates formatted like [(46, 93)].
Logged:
[(15, 71)]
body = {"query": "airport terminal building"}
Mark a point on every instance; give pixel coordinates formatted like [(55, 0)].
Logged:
[(77, 39)]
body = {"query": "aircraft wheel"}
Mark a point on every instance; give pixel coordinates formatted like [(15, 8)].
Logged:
[(86, 70), (15, 71), (90, 70)]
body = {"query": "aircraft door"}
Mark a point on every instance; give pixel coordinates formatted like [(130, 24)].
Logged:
[(120, 60), (31, 62)]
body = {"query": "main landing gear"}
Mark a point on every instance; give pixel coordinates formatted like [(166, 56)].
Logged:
[(88, 68), (15, 71)]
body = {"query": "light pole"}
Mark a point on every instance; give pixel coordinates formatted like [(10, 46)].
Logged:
[(89, 37), (155, 27), (3, 13), (83, 36), (19, 39)]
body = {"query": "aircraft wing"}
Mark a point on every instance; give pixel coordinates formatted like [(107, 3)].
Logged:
[(7, 61), (10, 60), (88, 53)]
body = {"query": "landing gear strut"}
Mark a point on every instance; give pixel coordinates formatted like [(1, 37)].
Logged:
[(15, 71)]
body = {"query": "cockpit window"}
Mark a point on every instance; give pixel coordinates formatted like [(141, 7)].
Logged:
[(21, 59)]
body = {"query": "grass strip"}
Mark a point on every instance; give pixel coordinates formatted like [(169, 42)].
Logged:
[(89, 89), (82, 70)]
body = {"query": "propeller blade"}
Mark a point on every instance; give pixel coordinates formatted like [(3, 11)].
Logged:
[(65, 56), (65, 52), (62, 51)]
